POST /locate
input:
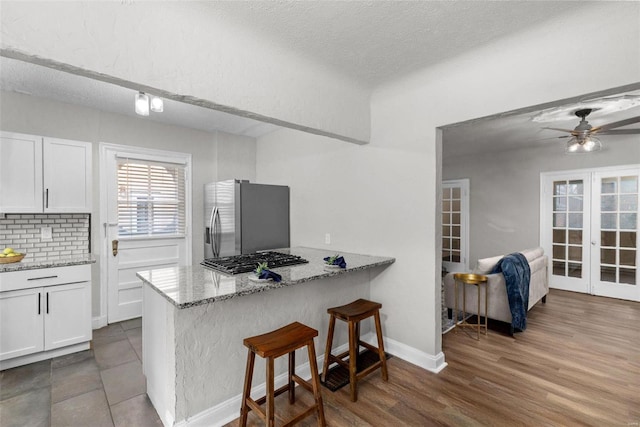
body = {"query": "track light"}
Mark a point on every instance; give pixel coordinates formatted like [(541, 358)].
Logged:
[(157, 106), (143, 104)]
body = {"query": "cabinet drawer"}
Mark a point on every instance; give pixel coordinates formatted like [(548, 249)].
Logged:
[(25, 279)]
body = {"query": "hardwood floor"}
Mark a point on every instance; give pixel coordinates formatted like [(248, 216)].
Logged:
[(578, 363)]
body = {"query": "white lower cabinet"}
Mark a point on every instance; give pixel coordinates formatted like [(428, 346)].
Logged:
[(43, 322), (21, 327), (67, 318)]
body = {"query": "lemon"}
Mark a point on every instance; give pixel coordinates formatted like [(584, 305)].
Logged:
[(12, 254), (2, 255), (8, 251)]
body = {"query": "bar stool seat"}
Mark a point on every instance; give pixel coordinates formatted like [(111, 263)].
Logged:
[(271, 346), (353, 313)]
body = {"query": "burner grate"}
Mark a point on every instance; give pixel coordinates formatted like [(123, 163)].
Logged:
[(245, 263)]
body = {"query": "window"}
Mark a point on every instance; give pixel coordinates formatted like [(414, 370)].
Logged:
[(151, 198)]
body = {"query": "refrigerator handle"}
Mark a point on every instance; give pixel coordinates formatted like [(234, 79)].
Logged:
[(216, 233), (210, 230)]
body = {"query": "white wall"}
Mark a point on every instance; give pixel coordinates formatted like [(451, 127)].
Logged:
[(190, 49), (505, 189), (213, 155), (382, 198)]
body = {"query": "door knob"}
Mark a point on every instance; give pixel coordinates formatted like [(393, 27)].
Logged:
[(114, 247)]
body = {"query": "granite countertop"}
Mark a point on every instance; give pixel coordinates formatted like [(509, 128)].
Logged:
[(27, 264), (194, 285)]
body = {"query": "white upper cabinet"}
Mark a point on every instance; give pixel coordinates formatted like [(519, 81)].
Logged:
[(67, 175), (20, 173), (44, 174)]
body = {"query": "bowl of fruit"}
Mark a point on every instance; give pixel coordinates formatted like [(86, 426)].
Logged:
[(8, 256)]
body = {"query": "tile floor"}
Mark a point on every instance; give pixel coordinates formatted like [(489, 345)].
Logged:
[(103, 386)]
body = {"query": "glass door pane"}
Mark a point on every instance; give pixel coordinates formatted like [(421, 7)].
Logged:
[(568, 224), (615, 260), (454, 223)]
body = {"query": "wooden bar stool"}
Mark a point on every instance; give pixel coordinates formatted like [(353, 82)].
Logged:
[(352, 314), (270, 346)]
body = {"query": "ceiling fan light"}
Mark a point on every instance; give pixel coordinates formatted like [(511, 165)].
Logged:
[(588, 144), (157, 105), (142, 104)]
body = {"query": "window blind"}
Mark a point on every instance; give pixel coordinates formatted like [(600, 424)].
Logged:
[(151, 198)]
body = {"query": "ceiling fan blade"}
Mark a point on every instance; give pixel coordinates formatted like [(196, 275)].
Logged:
[(608, 126), (620, 132)]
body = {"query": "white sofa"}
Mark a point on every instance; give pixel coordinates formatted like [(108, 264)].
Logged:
[(498, 308)]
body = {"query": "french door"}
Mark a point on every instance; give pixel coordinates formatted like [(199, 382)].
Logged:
[(589, 229), (455, 225)]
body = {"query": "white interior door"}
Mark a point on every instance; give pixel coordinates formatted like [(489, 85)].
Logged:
[(130, 247), (614, 265), (565, 231)]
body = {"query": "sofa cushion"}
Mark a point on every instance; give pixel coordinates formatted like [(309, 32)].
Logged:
[(485, 265)]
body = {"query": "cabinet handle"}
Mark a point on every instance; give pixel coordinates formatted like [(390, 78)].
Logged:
[(46, 198), (42, 278), (47, 302), (39, 302)]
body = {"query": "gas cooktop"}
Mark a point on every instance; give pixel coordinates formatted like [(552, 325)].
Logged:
[(245, 263)]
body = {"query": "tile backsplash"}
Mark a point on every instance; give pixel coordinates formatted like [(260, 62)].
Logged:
[(70, 235)]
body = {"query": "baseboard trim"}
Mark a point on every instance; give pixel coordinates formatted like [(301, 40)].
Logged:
[(227, 411), (430, 362), (98, 322), (43, 355)]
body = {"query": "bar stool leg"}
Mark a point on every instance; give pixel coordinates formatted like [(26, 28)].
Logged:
[(292, 369), (353, 358), (315, 383), (270, 393), (383, 357), (244, 410), (327, 353)]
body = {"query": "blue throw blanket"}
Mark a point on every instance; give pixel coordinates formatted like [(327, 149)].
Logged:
[(517, 275)]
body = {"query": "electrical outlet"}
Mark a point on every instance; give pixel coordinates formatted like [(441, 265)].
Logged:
[(327, 238), (45, 234)]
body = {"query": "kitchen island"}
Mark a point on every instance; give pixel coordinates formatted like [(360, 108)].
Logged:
[(194, 320)]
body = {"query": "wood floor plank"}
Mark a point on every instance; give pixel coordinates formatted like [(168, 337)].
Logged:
[(577, 364)]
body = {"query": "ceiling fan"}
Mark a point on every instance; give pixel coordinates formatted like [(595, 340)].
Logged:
[(583, 139)]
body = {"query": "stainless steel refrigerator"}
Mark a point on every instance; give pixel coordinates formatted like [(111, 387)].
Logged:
[(243, 217)]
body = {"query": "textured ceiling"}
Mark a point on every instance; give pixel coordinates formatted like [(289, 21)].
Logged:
[(370, 41), (378, 41)]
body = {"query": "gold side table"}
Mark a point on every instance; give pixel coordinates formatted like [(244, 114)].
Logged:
[(474, 280)]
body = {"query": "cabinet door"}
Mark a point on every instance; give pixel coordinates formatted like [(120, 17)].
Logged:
[(67, 175), (67, 315), (20, 173), (21, 328)]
